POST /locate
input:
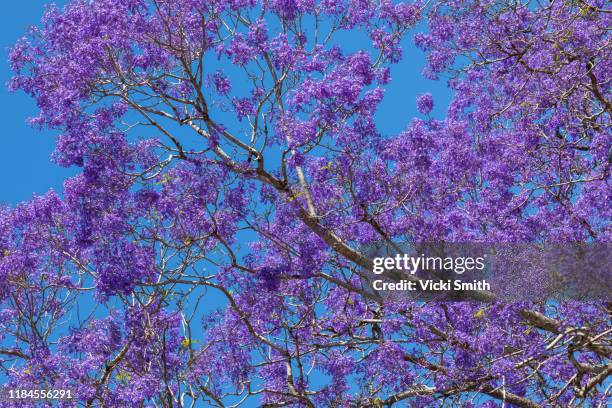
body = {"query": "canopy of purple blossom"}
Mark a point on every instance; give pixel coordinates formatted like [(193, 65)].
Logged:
[(229, 150)]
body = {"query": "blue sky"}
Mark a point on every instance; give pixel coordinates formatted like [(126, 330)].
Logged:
[(25, 162)]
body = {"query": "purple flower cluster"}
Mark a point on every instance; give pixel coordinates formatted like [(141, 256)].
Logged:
[(425, 103)]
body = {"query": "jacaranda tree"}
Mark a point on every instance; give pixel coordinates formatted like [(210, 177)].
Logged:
[(208, 253)]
